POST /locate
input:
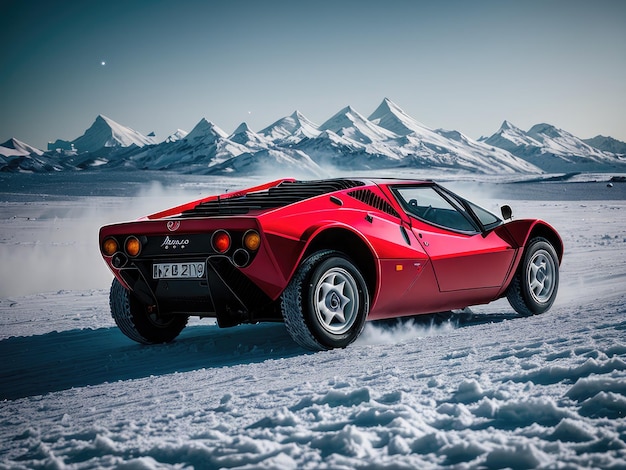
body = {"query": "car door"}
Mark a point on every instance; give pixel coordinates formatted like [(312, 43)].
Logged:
[(463, 257)]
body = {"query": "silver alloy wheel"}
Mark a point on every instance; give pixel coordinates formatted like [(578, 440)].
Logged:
[(336, 301), (541, 274), (326, 303)]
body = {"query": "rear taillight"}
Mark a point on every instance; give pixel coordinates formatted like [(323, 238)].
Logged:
[(110, 246), (221, 241), (132, 246), (252, 240)]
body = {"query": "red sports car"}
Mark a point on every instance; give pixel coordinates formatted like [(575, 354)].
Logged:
[(323, 257)]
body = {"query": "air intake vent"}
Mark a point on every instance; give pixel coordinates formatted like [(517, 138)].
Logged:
[(371, 199), (287, 192)]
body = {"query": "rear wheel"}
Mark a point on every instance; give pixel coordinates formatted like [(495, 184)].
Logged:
[(535, 285), (326, 303), (138, 322)]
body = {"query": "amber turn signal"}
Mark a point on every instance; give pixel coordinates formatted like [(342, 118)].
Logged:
[(221, 241), (133, 246), (110, 246), (252, 240)]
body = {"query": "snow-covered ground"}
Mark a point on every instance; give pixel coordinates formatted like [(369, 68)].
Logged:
[(484, 389)]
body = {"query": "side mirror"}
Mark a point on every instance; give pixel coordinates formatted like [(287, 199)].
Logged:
[(507, 212)]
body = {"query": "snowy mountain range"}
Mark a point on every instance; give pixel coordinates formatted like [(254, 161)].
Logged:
[(608, 144), (18, 156), (554, 150), (388, 138)]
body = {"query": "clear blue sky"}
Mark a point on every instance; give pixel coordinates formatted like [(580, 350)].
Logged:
[(463, 65)]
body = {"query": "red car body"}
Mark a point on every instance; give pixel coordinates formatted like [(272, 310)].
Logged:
[(245, 249)]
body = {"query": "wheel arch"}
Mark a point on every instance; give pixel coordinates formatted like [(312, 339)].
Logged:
[(523, 230), (353, 245), (542, 229)]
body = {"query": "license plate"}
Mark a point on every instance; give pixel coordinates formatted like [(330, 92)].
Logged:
[(178, 270)]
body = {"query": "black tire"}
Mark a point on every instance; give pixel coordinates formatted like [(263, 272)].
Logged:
[(326, 303), (536, 282), (135, 321)]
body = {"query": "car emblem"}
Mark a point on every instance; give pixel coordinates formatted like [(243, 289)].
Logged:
[(173, 225), (174, 243)]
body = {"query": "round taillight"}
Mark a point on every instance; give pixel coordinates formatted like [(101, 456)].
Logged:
[(252, 240), (221, 241), (132, 246), (109, 246)]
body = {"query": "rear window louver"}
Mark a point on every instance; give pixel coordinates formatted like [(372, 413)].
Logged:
[(286, 193), (367, 196)]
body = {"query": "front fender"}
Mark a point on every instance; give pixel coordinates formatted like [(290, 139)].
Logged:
[(520, 231)]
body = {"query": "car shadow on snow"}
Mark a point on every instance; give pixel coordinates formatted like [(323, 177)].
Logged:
[(36, 365)]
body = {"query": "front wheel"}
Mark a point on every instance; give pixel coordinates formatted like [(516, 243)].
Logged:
[(140, 324), (534, 287), (326, 303)]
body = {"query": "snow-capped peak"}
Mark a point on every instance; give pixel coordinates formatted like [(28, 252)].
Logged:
[(206, 130), (106, 133), (350, 123), (14, 147), (607, 144), (506, 126), (291, 129), (301, 118), (560, 142), (242, 128), (304, 125), (246, 136), (176, 136), (510, 137), (542, 131), (343, 118), (391, 117)]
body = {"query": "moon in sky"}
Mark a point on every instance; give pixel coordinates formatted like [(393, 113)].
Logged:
[(103, 63)]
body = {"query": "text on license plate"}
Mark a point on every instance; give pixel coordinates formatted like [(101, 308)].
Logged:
[(178, 270)]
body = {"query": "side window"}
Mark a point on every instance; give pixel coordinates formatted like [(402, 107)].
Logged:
[(486, 217), (427, 204)]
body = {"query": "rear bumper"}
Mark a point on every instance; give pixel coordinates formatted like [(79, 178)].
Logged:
[(227, 289), (223, 293)]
